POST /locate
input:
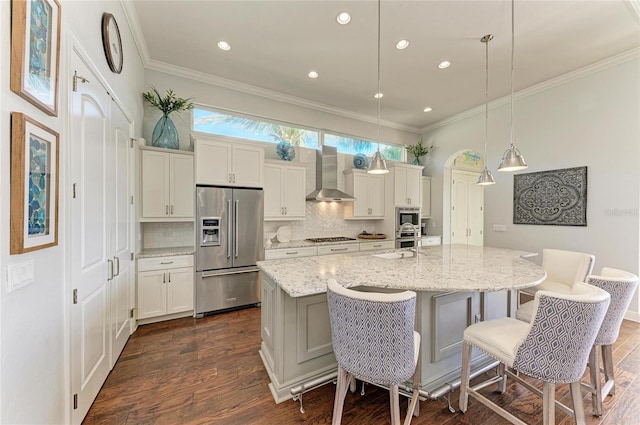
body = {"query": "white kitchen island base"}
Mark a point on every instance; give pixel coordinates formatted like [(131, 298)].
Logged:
[(296, 344)]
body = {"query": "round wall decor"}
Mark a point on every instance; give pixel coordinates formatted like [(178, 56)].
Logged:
[(112, 42)]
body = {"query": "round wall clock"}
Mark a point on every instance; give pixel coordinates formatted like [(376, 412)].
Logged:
[(112, 42)]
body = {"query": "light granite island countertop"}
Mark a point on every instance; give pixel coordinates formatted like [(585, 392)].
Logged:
[(456, 285), (454, 268)]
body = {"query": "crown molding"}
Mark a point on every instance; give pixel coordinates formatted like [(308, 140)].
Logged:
[(545, 85), (136, 30)]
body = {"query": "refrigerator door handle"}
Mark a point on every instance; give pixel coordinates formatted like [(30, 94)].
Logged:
[(235, 219), (204, 276), (229, 229)]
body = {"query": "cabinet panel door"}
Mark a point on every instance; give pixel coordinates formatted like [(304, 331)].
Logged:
[(247, 166), (213, 162), (295, 186), (376, 195), (181, 186), (414, 177), (459, 207), (400, 187), (152, 294), (155, 184), (273, 201), (475, 215), (361, 192), (179, 290), (426, 197)]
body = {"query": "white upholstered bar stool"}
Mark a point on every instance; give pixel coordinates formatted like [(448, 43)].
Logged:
[(563, 269), (374, 341), (620, 285), (553, 348)]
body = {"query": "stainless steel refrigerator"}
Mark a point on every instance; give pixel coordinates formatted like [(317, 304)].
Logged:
[(229, 242)]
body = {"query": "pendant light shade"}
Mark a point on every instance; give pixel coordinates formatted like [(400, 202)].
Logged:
[(378, 165), (486, 178), (512, 159)]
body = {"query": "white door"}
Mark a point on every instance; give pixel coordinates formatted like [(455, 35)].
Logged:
[(92, 154), (273, 202), (361, 192), (459, 206), (247, 163), (155, 184), (181, 185), (475, 216), (376, 195), (213, 162), (294, 191), (121, 232)]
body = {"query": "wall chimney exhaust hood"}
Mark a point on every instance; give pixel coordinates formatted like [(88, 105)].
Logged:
[(327, 177)]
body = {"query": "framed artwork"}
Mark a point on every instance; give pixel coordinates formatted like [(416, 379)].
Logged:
[(35, 52), (34, 185), (555, 197)]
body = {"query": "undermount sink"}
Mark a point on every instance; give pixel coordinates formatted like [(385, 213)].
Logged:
[(395, 255)]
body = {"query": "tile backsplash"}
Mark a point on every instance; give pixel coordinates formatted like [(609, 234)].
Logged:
[(167, 235), (324, 219)]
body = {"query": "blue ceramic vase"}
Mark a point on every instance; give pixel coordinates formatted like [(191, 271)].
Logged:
[(165, 134)]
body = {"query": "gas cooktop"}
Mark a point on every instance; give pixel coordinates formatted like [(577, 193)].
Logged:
[(331, 239)]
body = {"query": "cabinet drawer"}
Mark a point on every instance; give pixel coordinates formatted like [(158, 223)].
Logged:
[(338, 249), (160, 263), (372, 246), (431, 240), (275, 254)]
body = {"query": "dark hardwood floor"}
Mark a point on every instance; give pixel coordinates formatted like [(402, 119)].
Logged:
[(208, 371)]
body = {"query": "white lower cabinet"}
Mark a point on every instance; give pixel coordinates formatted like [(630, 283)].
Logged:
[(165, 286), (338, 249), (376, 245)]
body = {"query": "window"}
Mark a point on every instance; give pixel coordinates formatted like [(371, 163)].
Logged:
[(351, 145), (208, 121)]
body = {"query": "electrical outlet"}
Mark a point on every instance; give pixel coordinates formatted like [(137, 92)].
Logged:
[(499, 227), (19, 275)]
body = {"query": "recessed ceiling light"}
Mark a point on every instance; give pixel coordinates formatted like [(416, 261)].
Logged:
[(444, 64), (378, 95), (428, 109), (343, 18), (223, 45), (312, 74), (402, 44)]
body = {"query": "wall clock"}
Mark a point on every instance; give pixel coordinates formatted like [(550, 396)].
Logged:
[(112, 42)]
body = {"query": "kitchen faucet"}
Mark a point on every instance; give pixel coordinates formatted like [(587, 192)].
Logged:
[(416, 232)]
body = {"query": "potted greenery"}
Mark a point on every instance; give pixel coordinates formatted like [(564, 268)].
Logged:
[(165, 134), (418, 150)]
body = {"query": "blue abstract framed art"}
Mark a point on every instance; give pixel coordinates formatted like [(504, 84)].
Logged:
[(34, 185), (35, 52)]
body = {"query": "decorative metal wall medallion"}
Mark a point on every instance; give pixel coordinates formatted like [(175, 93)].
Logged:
[(556, 197)]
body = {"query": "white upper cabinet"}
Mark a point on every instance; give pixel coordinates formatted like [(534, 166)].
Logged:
[(426, 197), (407, 185), (167, 185), (368, 189), (229, 164), (284, 192)]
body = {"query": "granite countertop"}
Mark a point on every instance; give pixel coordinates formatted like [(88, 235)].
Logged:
[(303, 243), (442, 268), (166, 252)]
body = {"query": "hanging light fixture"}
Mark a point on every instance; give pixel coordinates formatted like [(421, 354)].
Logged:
[(485, 177), (378, 165), (512, 159)]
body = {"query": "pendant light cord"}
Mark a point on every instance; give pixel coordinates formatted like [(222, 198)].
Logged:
[(486, 40), (512, 54), (378, 94)]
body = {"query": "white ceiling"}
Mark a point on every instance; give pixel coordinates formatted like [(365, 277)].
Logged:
[(276, 43)]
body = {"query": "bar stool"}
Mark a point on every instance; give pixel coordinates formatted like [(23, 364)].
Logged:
[(620, 285), (563, 269), (552, 348), (374, 341)]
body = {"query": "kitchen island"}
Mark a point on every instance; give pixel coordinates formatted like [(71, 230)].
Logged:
[(456, 286)]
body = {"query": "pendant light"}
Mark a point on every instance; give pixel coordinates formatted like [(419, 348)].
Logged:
[(378, 165), (512, 159), (486, 178)]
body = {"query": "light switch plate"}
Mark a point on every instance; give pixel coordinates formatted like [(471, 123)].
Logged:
[(499, 227), (19, 275)]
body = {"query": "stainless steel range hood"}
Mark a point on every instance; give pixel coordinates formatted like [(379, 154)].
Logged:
[(327, 177)]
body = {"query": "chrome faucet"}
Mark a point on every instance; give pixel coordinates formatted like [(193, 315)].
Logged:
[(416, 232)]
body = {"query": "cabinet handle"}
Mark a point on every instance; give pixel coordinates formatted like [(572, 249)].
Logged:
[(166, 209), (285, 211), (109, 270), (117, 261), (171, 209), (281, 210), (166, 262), (169, 277), (377, 246), (164, 277), (234, 178), (229, 228), (409, 200), (338, 249), (229, 177), (236, 226), (291, 252)]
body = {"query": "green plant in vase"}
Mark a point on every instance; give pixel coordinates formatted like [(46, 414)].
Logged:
[(165, 134), (418, 150)]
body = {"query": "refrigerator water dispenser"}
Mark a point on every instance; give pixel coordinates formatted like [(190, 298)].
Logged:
[(210, 231)]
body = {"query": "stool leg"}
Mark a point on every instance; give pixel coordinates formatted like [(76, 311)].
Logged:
[(502, 385), (576, 397), (596, 381), (341, 392), (394, 399), (464, 378), (549, 403), (607, 357)]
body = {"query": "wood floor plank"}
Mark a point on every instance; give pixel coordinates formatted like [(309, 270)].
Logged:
[(208, 371)]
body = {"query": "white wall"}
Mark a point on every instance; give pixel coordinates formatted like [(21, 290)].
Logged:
[(34, 350), (592, 121)]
